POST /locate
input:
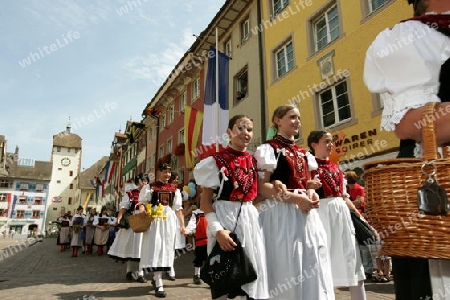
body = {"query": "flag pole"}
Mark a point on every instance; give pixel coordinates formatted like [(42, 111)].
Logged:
[(217, 92)]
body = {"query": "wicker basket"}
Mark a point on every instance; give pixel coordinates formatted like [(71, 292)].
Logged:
[(391, 195), (139, 222)]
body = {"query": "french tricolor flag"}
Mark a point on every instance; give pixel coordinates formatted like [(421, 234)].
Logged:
[(215, 113)]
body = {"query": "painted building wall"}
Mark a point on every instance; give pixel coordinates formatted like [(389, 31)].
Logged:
[(245, 57), (358, 138), (27, 207)]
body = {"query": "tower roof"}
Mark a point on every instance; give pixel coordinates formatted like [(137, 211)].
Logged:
[(69, 140)]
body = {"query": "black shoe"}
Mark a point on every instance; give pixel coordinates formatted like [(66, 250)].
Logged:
[(160, 294), (197, 280), (141, 279), (129, 276), (172, 278)]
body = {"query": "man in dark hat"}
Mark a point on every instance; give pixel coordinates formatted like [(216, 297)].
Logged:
[(409, 66)]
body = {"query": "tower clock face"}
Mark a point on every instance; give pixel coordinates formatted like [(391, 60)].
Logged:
[(65, 161)]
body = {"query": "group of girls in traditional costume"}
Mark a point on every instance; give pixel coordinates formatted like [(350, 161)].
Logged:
[(284, 238)]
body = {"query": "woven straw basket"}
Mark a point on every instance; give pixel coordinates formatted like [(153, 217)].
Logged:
[(139, 222), (391, 195)]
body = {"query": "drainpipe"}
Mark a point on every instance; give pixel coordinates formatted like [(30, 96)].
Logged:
[(261, 74), (157, 144)]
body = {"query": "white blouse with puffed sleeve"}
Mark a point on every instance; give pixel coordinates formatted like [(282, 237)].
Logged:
[(403, 65)]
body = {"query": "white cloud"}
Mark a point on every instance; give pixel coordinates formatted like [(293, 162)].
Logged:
[(157, 67)]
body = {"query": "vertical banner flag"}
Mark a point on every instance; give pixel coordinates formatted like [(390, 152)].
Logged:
[(215, 123), (107, 167), (119, 172), (109, 171), (192, 123), (98, 184)]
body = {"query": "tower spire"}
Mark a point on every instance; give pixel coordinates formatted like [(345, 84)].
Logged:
[(68, 126)]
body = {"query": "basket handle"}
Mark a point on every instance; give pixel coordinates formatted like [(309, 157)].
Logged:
[(429, 143)]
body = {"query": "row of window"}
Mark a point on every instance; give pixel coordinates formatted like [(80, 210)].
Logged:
[(333, 104), (31, 187), (369, 6), (69, 150), (24, 199), (26, 214), (5, 183), (30, 200)]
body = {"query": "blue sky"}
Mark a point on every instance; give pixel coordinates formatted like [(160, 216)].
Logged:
[(97, 62)]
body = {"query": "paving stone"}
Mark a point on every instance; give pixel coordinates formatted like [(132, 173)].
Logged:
[(39, 270)]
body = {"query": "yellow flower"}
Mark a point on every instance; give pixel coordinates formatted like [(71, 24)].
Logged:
[(157, 211)]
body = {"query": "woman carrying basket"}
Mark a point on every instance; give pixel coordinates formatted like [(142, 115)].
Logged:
[(161, 199), (127, 244), (407, 79)]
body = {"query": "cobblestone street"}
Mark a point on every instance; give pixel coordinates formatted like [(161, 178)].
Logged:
[(38, 270)]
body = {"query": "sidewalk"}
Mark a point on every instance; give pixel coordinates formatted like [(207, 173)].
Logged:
[(41, 271)]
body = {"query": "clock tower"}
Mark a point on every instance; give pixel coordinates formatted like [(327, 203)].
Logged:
[(63, 188)]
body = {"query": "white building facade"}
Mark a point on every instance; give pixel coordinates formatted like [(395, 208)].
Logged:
[(64, 194)]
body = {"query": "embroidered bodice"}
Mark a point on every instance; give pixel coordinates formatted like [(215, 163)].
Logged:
[(331, 177), (292, 168), (133, 195), (163, 193), (239, 168)]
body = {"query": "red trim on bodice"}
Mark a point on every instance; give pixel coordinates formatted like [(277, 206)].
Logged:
[(295, 158), (434, 21), (133, 195), (163, 193), (331, 177), (240, 168)]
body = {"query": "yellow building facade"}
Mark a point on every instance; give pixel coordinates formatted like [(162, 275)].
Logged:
[(314, 53)]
